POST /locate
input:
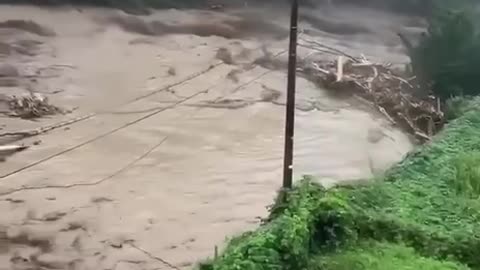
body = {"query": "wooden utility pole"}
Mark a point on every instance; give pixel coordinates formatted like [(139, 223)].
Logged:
[(290, 108)]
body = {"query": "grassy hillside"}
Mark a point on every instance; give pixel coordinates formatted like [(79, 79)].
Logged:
[(371, 255)]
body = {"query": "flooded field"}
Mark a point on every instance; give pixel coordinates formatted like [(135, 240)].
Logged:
[(179, 141)]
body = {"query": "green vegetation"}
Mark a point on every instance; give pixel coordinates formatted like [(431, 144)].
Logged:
[(283, 241), (446, 59), (428, 203), (467, 175), (458, 106), (379, 256)]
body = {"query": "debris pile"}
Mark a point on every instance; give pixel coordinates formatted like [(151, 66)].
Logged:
[(31, 106), (390, 92)]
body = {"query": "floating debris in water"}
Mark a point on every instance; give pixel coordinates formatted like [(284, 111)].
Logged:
[(391, 92), (31, 106)]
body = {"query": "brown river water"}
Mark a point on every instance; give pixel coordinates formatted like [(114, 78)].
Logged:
[(153, 179)]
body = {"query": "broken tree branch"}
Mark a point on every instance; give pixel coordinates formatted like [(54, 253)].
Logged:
[(339, 68), (314, 45)]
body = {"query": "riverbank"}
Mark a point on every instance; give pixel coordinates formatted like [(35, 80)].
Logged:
[(424, 212)]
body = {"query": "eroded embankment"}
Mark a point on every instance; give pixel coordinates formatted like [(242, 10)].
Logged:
[(425, 214)]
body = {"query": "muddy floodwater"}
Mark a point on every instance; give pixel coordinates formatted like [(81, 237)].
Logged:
[(179, 144)]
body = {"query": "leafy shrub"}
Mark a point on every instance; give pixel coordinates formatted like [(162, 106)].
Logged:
[(467, 176), (284, 241), (448, 55), (455, 107)]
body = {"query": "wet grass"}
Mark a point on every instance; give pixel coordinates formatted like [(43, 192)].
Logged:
[(467, 175), (379, 256)]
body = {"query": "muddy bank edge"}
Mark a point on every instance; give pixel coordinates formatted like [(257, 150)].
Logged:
[(427, 204)]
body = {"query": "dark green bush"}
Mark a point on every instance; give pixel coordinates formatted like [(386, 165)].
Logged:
[(467, 175), (284, 241), (447, 57)]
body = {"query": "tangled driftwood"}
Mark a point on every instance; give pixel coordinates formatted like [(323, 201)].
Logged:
[(31, 106), (394, 95)]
